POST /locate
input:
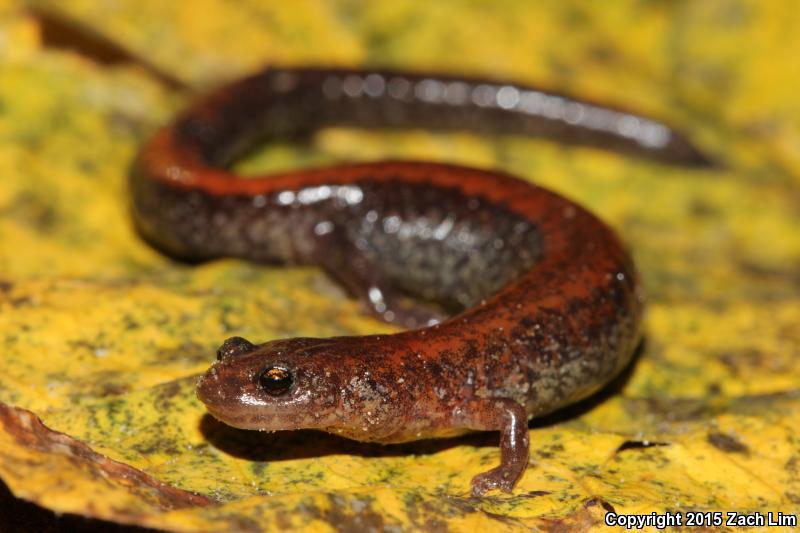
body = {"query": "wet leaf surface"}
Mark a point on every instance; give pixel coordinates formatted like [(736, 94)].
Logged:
[(103, 339)]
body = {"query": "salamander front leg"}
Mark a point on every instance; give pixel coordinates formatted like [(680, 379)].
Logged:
[(510, 418), (359, 276)]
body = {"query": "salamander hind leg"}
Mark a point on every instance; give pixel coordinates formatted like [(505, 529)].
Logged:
[(348, 265), (510, 418)]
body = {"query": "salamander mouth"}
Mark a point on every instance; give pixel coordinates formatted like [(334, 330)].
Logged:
[(237, 422), (220, 403), (252, 421), (228, 411)]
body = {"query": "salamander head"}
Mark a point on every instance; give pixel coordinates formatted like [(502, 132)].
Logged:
[(279, 385)]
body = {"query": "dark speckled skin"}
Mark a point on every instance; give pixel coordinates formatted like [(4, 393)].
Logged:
[(543, 300)]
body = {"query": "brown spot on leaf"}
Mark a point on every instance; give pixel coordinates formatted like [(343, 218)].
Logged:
[(727, 443), (345, 514), (580, 520), (639, 445), (591, 502), (60, 31)]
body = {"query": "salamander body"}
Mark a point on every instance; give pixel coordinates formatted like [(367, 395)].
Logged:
[(518, 300)]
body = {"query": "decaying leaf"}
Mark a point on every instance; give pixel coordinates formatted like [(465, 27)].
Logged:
[(103, 338), (118, 489)]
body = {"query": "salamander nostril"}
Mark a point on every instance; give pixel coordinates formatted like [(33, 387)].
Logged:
[(234, 346)]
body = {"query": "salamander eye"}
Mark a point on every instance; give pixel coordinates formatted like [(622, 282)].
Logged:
[(234, 346), (276, 380)]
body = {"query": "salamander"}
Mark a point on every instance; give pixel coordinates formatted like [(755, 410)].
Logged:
[(516, 300)]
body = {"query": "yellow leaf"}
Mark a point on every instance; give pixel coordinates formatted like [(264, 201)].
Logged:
[(103, 338)]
